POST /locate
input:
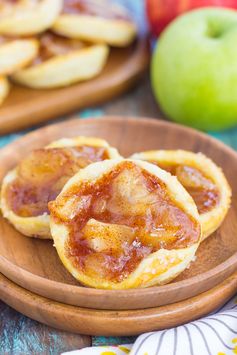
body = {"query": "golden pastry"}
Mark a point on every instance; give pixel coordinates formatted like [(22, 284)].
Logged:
[(61, 62), (122, 224), (96, 21), (16, 54), (39, 178), (4, 88), (201, 177), (27, 17)]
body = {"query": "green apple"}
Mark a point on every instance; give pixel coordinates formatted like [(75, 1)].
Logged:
[(194, 69)]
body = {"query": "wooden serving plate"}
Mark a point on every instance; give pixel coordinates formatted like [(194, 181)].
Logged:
[(34, 264), (114, 323), (26, 107)]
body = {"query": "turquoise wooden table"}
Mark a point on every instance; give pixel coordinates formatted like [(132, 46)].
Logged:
[(20, 335)]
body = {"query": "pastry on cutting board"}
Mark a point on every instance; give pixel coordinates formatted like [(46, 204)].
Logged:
[(61, 62), (16, 53), (98, 21), (27, 17)]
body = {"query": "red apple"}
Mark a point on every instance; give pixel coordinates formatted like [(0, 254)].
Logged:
[(161, 12)]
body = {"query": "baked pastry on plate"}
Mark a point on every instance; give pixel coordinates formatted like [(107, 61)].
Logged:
[(27, 17), (16, 54), (99, 21), (61, 62), (4, 88), (39, 178), (201, 177), (123, 223)]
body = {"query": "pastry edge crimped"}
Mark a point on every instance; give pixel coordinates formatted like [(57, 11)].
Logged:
[(211, 220), (63, 70), (38, 226), (148, 271)]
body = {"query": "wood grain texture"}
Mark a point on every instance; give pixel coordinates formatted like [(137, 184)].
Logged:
[(23, 336), (114, 323), (27, 107), (34, 264)]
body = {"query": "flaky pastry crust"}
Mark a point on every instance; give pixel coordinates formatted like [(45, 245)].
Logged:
[(38, 226), (4, 88), (16, 54), (159, 267), (114, 31), (28, 17), (64, 70), (212, 219)]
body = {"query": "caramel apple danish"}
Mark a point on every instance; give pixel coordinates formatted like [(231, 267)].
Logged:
[(201, 177), (39, 178), (4, 88), (61, 62), (122, 224), (27, 17), (16, 53), (98, 21)]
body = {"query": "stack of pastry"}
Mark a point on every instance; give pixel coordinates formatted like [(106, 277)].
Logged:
[(117, 223), (54, 43)]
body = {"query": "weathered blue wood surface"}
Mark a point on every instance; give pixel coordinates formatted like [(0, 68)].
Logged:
[(20, 335)]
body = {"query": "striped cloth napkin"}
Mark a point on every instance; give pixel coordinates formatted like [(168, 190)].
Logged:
[(215, 334)]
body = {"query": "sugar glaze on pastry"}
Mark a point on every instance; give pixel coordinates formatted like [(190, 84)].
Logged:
[(201, 177), (39, 178), (121, 224)]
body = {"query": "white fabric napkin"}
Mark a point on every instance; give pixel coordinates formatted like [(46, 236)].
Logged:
[(215, 334)]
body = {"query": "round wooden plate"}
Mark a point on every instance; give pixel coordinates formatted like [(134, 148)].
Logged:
[(114, 323), (34, 264), (26, 107)]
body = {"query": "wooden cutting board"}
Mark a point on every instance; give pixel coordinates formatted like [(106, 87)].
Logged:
[(27, 107)]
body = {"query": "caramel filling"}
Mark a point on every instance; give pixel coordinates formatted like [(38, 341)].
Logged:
[(52, 45), (4, 40), (99, 8), (42, 175), (202, 189), (120, 219), (9, 39)]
